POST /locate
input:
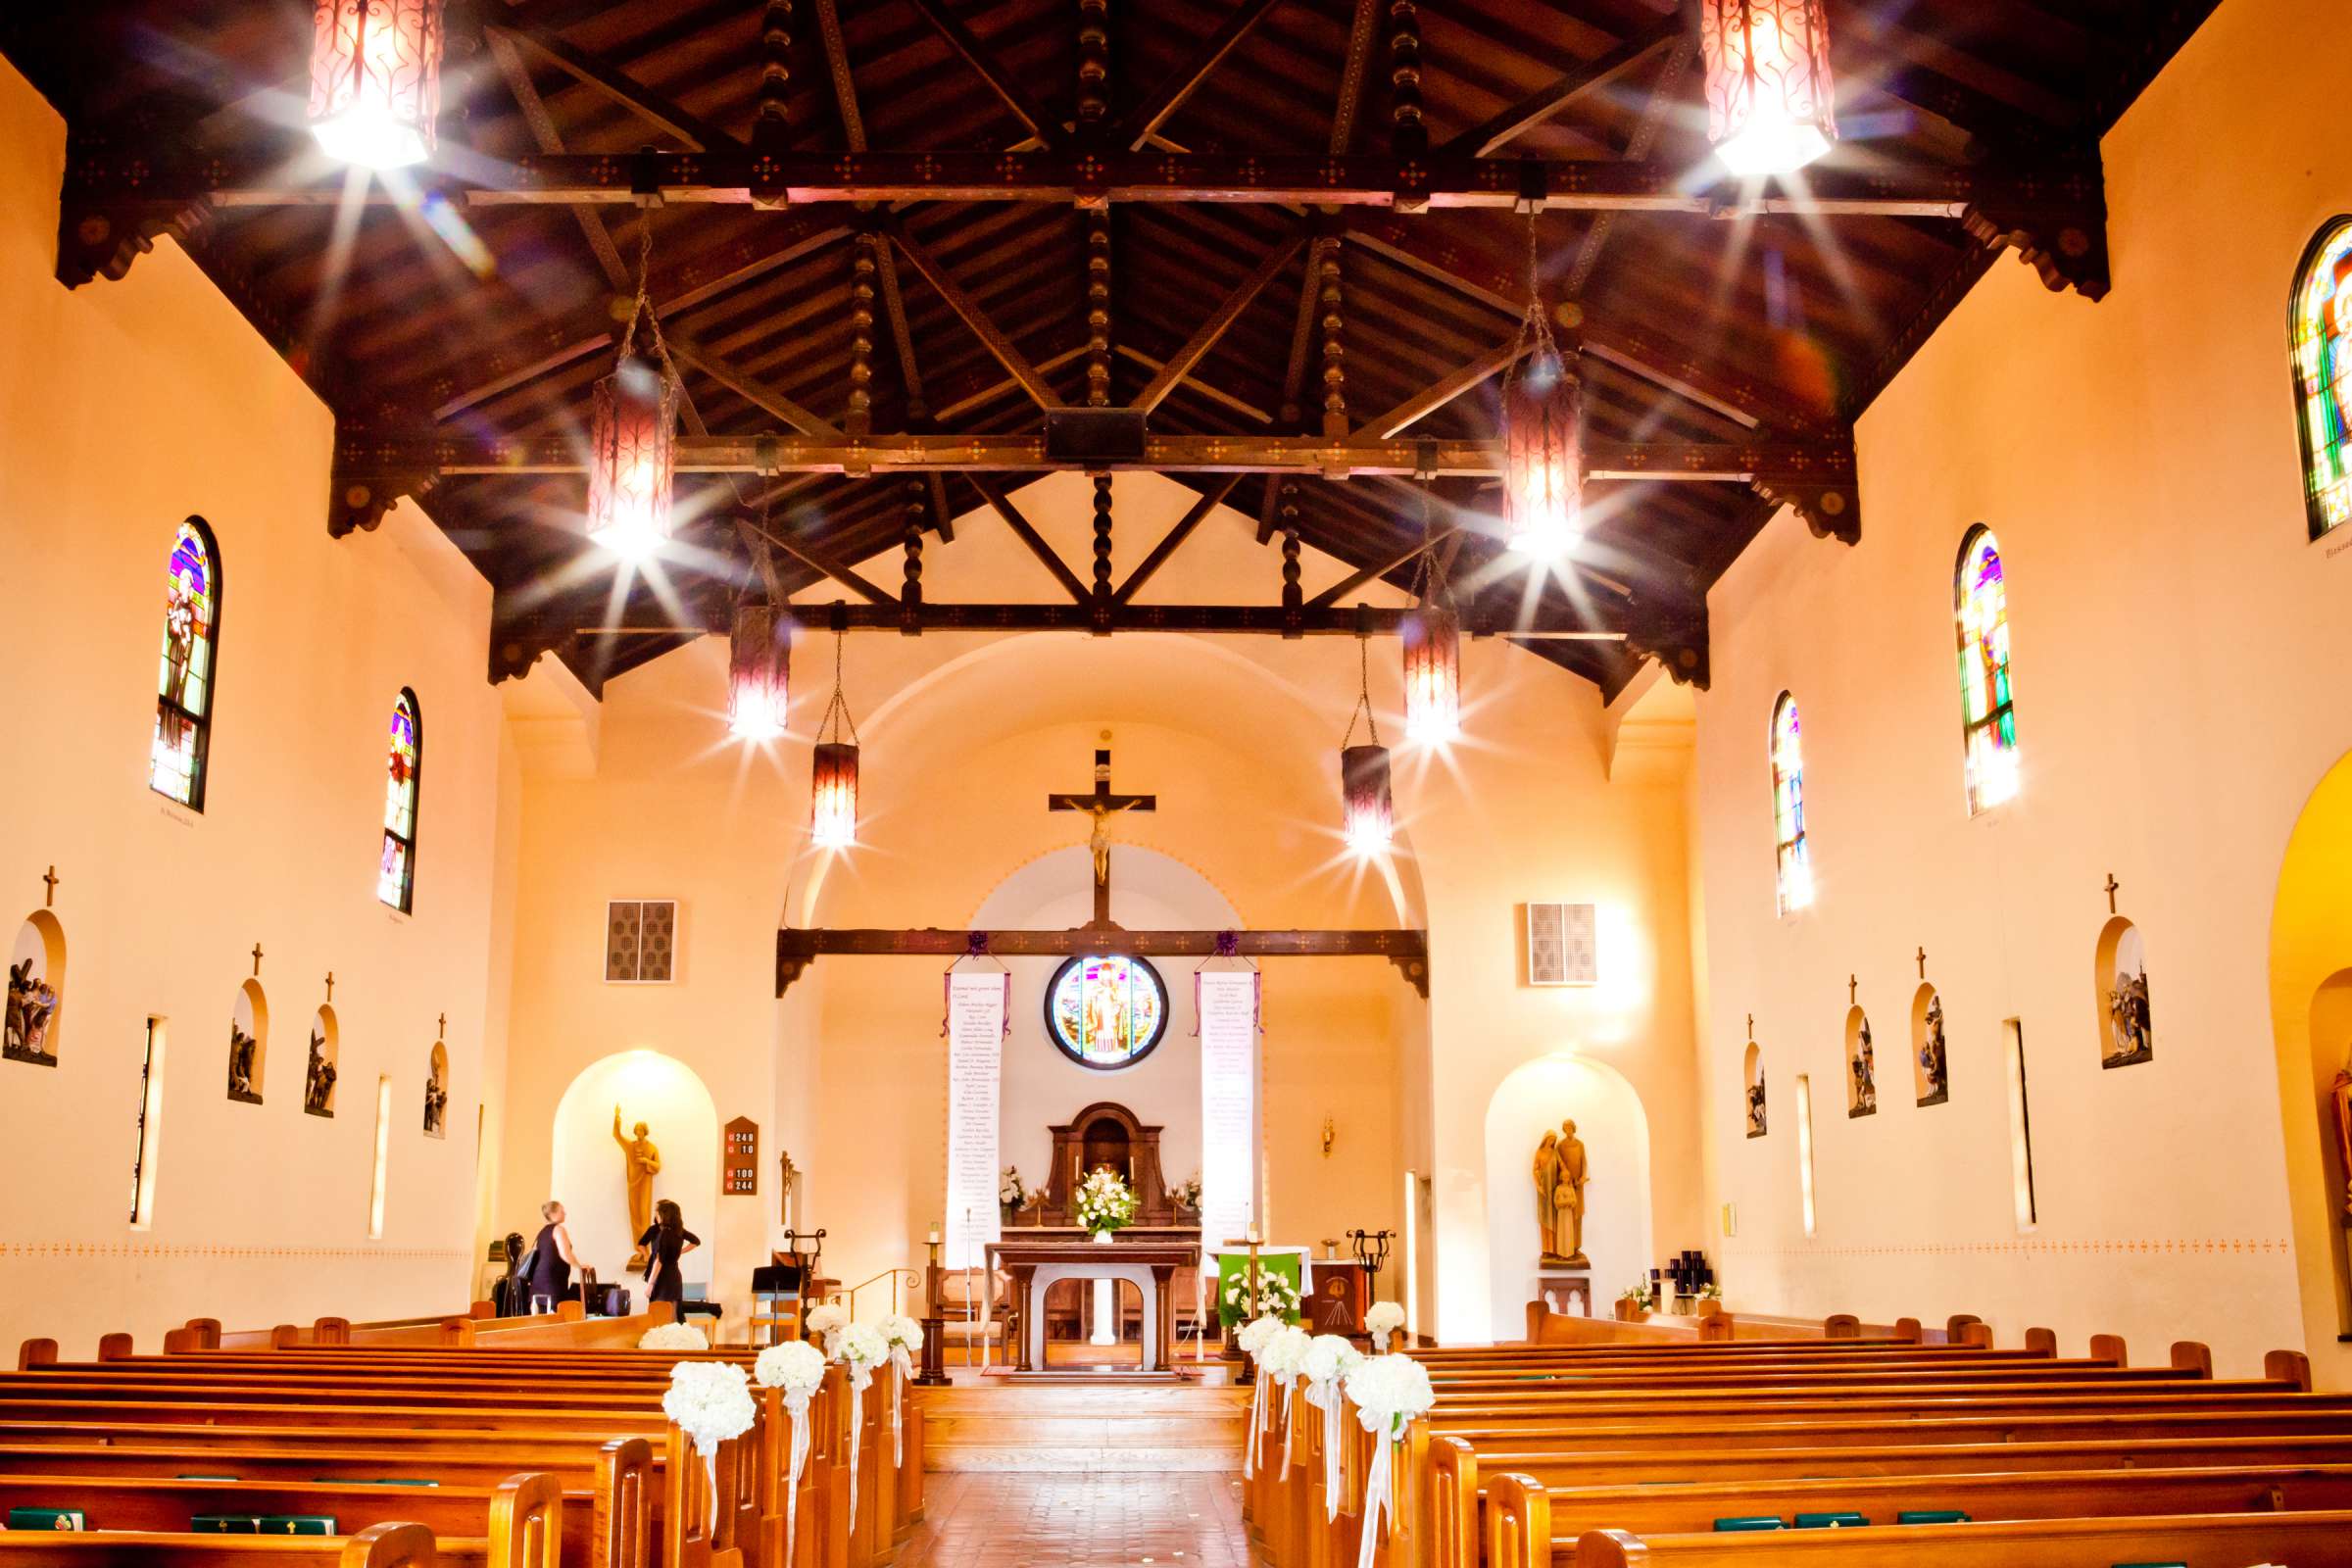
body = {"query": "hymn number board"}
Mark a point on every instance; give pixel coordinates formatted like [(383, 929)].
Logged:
[(741, 1175)]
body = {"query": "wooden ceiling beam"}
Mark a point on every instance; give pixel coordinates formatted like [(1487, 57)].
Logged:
[(1024, 531), (1215, 394), (1272, 621), (817, 560), (507, 52), (1001, 82), (1006, 387), (1507, 127), (1365, 574), (1649, 126), (602, 77), (1442, 391), (991, 337), (1169, 542), (686, 351), (1145, 122), (1204, 337)]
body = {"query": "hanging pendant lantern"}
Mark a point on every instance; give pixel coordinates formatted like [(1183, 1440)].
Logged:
[(833, 768), (1433, 673), (375, 80), (1542, 440), (632, 457), (759, 672), (833, 796), (1367, 813), (1771, 107)]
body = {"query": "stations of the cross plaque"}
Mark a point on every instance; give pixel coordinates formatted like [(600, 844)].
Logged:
[(1102, 805)]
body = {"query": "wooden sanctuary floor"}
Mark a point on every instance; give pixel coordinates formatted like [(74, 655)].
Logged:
[(981, 1519)]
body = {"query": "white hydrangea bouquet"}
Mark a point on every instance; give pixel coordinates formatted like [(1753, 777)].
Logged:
[(796, 1369), (862, 1349), (1254, 1339), (826, 1322), (710, 1402), (1279, 1363), (1389, 1393), (1328, 1361), (673, 1337), (904, 1337), (1011, 1191), (1276, 1295), (1383, 1319), (1105, 1203)]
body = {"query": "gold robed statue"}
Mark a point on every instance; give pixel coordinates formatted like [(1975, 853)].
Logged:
[(643, 1162), (1560, 1175)]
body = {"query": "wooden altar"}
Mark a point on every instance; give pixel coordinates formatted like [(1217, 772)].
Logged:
[(1106, 1134), (1034, 1267)]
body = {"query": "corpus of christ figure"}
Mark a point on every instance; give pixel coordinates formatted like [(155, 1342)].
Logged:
[(1102, 805)]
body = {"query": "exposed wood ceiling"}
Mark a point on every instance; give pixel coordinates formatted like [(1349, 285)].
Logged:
[(476, 321)]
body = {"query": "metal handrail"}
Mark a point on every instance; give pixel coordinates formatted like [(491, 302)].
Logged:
[(914, 1282)]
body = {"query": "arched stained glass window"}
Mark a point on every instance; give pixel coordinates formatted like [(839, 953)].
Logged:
[(1985, 707), (1795, 874), (397, 877), (2321, 329), (183, 702)]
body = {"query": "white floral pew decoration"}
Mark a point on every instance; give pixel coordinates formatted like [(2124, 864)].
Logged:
[(796, 1370)]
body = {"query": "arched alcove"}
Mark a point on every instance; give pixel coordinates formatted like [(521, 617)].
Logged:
[(590, 1170), (2120, 977), (1931, 1059), (1751, 1076), (36, 991), (323, 1064), (248, 1043), (1861, 1066), (1611, 1122), (2311, 1021), (437, 1092)]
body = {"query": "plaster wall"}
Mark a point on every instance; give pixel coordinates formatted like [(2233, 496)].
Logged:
[(126, 407), (2137, 461)]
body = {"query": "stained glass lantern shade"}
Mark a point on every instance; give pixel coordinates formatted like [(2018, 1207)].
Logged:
[(375, 80), (1543, 483), (1107, 1010), (1987, 707), (1432, 676), (1771, 108), (833, 795), (1369, 813), (2322, 327), (758, 673), (632, 458)]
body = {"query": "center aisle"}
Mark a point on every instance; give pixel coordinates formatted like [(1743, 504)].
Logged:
[(983, 1519)]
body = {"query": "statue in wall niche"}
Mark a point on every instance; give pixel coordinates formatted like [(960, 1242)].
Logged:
[(1866, 1073), (318, 1083), (642, 1162), (241, 1046), (2127, 1019), (436, 1104), (1560, 1163), (31, 1009), (1755, 1109), (1932, 1065)]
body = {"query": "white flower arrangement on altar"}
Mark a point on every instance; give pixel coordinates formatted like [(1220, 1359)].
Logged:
[(1105, 1203), (673, 1337), (796, 1369), (1383, 1319), (1389, 1393), (1010, 1193), (1277, 1296), (1189, 1194), (1639, 1293)]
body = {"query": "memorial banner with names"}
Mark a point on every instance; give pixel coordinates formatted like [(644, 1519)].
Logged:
[(977, 1006), (1228, 1011)]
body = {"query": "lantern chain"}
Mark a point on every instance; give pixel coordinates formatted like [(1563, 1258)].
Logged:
[(1538, 357), (1363, 695), (642, 308), (837, 711)]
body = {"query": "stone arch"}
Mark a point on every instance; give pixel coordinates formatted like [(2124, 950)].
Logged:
[(1931, 1057), (323, 1065), (1861, 1066), (1614, 1125), (248, 1043), (589, 1177), (36, 990), (2120, 987)]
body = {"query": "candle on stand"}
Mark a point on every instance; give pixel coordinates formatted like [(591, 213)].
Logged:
[(933, 1237), (1250, 1236)]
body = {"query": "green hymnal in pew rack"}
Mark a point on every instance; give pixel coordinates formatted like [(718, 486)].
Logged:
[(1931, 1516), (1751, 1522), (227, 1524), (1830, 1521), (298, 1524), (47, 1519)]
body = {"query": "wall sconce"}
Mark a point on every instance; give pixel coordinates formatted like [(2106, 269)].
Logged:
[(1328, 1135)]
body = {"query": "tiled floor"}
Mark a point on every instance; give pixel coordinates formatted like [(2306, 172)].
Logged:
[(994, 1520)]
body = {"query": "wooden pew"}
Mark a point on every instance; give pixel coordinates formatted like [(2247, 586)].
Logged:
[(2208, 1540)]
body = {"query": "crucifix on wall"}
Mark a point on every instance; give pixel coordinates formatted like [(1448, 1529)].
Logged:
[(1102, 805)]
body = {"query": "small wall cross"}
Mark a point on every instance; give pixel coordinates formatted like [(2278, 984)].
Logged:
[(1922, 956), (49, 902), (1852, 985), (2110, 890), (256, 961), (1751, 1026), (330, 985), (441, 1026)]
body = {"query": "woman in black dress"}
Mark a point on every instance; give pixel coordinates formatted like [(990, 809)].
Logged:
[(665, 1241)]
